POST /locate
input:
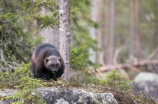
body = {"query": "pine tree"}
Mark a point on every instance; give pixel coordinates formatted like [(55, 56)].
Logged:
[(65, 35)]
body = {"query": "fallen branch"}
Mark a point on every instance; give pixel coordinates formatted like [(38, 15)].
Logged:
[(127, 66), (152, 54)]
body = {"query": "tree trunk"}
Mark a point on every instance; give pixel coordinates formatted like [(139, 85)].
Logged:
[(106, 30), (112, 33), (155, 11), (65, 35), (137, 31), (94, 13), (132, 32), (35, 23), (100, 54), (135, 43)]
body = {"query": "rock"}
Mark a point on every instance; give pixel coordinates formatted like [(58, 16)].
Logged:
[(146, 83), (61, 101), (67, 96)]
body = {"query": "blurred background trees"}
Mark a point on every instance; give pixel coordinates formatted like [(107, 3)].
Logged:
[(107, 32), (112, 31), (134, 29)]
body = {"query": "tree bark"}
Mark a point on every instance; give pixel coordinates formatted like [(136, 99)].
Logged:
[(132, 32), (106, 30), (100, 54), (94, 14), (137, 31), (65, 35), (35, 23), (112, 32), (155, 11), (135, 43)]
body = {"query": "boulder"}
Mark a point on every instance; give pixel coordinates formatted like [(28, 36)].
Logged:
[(146, 83), (67, 96)]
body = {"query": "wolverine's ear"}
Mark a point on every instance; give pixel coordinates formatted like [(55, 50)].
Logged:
[(59, 59), (47, 59)]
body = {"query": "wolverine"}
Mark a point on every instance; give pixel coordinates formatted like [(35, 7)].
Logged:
[(47, 63)]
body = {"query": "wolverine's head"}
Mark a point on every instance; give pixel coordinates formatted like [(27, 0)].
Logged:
[(53, 63)]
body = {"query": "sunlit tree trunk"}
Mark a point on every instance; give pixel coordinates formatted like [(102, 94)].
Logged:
[(93, 32), (65, 35)]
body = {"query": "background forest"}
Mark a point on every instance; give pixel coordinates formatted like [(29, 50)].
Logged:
[(106, 35)]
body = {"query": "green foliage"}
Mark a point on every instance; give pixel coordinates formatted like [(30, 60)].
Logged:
[(22, 79), (79, 58), (14, 43), (114, 78), (10, 61), (20, 21), (9, 80), (81, 23), (32, 11), (28, 94)]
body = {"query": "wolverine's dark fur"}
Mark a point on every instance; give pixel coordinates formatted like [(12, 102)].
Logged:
[(40, 66)]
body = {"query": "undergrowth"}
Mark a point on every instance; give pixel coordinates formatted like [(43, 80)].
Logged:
[(22, 79), (9, 80), (114, 82), (28, 93)]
